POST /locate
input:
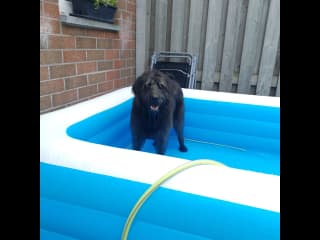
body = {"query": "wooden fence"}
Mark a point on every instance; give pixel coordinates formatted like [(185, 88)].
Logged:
[(237, 42)]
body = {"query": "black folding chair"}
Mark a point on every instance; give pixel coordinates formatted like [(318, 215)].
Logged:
[(183, 71)]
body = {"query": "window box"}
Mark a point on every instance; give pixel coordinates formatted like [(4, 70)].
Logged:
[(86, 9)]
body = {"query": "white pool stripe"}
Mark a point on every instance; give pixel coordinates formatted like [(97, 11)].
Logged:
[(216, 144)]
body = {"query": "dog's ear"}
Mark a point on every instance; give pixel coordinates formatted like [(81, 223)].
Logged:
[(137, 85), (163, 82), (171, 76), (134, 87)]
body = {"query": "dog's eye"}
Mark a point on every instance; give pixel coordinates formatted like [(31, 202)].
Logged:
[(147, 85), (161, 85)]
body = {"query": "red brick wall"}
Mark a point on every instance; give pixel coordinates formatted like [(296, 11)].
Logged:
[(77, 64)]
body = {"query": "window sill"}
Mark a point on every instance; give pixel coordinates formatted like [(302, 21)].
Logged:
[(87, 23)]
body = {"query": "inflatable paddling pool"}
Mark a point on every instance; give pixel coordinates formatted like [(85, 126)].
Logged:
[(90, 179)]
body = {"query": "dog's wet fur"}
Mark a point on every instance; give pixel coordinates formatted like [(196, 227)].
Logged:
[(158, 106)]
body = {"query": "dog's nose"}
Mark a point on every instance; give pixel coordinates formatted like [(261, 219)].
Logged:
[(154, 100)]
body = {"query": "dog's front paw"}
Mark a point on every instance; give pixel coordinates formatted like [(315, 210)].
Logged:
[(183, 148)]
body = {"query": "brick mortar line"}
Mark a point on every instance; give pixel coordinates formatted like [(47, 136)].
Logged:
[(77, 88), (77, 93), (86, 74), (85, 61), (79, 36)]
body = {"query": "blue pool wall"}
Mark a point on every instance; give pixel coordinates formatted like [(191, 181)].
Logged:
[(254, 128), (76, 204), (239, 125)]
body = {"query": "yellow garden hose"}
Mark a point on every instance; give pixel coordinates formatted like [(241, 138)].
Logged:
[(156, 185)]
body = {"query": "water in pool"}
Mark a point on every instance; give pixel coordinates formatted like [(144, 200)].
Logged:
[(239, 135)]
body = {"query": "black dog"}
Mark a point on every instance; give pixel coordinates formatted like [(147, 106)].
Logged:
[(158, 106)]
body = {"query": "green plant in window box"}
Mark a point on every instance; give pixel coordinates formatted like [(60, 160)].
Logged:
[(99, 3)]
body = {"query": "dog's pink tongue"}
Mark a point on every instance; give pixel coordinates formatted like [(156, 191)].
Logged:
[(154, 108)]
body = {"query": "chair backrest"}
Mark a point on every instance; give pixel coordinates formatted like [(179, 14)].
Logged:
[(183, 71)]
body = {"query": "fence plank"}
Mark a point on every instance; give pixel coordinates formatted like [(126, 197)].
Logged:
[(202, 36), (141, 36), (278, 87), (195, 22), (160, 25), (178, 35), (250, 45), (229, 50), (270, 48), (243, 15), (222, 32), (151, 5), (277, 66), (211, 43), (261, 34)]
